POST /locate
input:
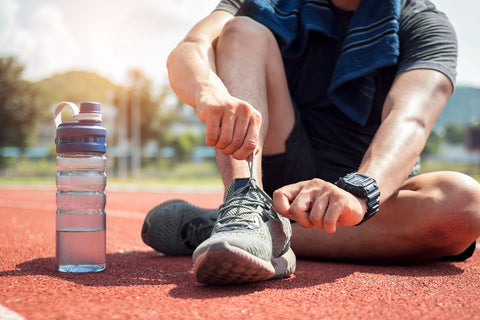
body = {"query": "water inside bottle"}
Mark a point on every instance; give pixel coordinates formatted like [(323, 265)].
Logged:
[(80, 249), (80, 197)]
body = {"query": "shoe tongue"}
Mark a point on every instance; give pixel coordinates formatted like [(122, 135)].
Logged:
[(235, 186), (233, 191)]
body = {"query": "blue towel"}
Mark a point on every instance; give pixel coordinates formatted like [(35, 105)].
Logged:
[(371, 43)]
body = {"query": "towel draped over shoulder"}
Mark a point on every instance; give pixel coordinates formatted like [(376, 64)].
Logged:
[(371, 43)]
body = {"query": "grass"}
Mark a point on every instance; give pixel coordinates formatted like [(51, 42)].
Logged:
[(204, 175), (470, 169), (162, 174), (153, 175)]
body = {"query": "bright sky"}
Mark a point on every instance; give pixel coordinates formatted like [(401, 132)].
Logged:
[(111, 37)]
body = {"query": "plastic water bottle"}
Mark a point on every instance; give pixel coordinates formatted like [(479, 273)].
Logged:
[(81, 181)]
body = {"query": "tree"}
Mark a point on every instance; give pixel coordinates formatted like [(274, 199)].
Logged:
[(76, 86), (21, 106), (454, 133), (154, 112), (432, 145), (185, 143)]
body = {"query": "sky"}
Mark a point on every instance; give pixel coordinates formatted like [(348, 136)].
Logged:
[(111, 37)]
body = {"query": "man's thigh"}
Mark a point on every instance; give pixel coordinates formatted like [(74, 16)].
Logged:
[(432, 215)]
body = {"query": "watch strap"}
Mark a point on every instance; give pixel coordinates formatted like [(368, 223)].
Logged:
[(364, 187)]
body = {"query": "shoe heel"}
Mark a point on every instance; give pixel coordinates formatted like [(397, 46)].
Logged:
[(285, 264)]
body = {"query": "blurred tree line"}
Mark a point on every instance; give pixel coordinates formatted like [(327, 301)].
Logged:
[(25, 105), (452, 133), (22, 106)]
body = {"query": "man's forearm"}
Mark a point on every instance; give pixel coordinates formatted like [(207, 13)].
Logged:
[(192, 63), (393, 153), (410, 111), (188, 67)]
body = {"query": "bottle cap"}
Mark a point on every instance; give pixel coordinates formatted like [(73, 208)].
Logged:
[(89, 111), (90, 107), (84, 135)]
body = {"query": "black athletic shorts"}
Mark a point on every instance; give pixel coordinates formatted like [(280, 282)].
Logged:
[(302, 161)]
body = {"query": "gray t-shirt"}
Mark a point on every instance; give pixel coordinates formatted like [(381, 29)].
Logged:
[(427, 39)]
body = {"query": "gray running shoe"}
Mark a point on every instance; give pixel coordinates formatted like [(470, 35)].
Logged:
[(176, 227), (249, 242)]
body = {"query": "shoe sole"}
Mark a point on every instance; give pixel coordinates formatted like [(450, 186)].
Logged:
[(222, 263)]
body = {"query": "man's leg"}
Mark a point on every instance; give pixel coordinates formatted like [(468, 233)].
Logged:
[(433, 215), (249, 241), (250, 64)]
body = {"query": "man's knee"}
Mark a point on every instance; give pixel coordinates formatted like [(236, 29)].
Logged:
[(455, 222), (240, 31), (462, 196), (468, 203)]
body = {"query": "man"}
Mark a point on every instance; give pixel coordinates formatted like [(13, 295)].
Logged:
[(327, 105)]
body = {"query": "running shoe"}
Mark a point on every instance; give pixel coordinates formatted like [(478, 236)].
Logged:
[(249, 242), (177, 227)]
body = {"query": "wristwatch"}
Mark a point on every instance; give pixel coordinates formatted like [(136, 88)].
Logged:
[(364, 187)]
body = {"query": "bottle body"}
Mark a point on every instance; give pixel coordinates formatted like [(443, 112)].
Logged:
[(81, 216)]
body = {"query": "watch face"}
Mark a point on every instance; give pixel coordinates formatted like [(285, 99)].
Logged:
[(357, 179)]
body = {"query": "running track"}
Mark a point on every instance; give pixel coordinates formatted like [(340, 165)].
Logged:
[(142, 284)]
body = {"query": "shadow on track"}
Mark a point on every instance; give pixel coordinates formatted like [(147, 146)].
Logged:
[(154, 269)]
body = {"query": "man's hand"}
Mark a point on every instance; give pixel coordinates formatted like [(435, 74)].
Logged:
[(319, 205), (233, 125)]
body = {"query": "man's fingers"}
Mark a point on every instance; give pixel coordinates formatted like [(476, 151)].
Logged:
[(233, 131), (226, 129), (282, 198), (249, 144), (212, 130), (239, 131), (330, 218), (290, 203)]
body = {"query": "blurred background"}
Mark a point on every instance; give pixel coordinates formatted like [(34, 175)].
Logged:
[(115, 51)]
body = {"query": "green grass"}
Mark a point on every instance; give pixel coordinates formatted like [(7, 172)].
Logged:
[(163, 174), (470, 169), (203, 174), (158, 174)]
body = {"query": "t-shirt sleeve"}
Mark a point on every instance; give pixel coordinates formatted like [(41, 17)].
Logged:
[(427, 41), (231, 6)]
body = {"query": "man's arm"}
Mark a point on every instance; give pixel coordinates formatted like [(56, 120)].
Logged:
[(191, 64), (411, 108), (232, 125)]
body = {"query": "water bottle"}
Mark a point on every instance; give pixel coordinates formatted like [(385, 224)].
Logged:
[(81, 181)]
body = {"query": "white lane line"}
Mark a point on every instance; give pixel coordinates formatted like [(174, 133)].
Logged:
[(7, 314)]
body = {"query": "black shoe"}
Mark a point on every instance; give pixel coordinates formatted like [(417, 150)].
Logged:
[(176, 227)]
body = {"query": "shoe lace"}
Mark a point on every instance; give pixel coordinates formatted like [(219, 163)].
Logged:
[(240, 200)]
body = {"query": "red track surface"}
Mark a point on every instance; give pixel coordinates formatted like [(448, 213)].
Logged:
[(142, 284)]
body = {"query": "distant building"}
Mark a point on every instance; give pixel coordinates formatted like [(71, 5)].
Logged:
[(457, 153)]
